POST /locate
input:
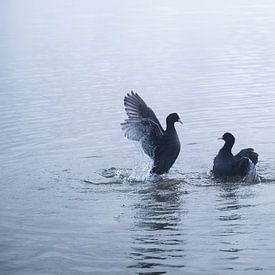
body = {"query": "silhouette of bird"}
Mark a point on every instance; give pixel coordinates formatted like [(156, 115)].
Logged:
[(142, 125), (226, 164)]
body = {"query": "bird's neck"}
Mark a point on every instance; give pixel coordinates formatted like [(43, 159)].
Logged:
[(226, 149), (170, 127)]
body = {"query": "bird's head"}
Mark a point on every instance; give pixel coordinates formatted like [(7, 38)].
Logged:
[(228, 138), (172, 118)]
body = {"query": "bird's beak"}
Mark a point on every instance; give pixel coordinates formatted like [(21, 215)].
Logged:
[(220, 138), (179, 120)]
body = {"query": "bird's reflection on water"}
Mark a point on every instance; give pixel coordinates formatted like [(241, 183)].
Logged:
[(232, 199), (157, 239)]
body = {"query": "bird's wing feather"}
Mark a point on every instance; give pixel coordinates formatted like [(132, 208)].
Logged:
[(144, 131), (247, 153), (137, 129), (136, 108), (142, 124)]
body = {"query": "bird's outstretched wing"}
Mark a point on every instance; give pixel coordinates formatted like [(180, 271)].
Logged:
[(247, 153), (135, 107), (142, 124)]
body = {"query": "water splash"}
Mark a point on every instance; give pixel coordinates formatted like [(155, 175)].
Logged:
[(142, 166), (252, 174)]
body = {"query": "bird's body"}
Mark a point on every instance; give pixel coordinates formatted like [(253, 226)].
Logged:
[(228, 165), (162, 146), (166, 152), (224, 164)]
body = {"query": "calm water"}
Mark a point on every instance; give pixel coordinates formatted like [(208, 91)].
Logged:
[(67, 205)]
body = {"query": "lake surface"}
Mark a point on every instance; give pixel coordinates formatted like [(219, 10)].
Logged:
[(73, 197)]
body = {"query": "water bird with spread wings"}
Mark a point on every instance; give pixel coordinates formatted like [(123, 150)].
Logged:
[(142, 125)]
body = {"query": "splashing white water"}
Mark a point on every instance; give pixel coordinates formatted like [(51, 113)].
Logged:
[(252, 174), (142, 165)]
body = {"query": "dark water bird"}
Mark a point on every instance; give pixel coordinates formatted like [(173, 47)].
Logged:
[(162, 146), (228, 165)]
